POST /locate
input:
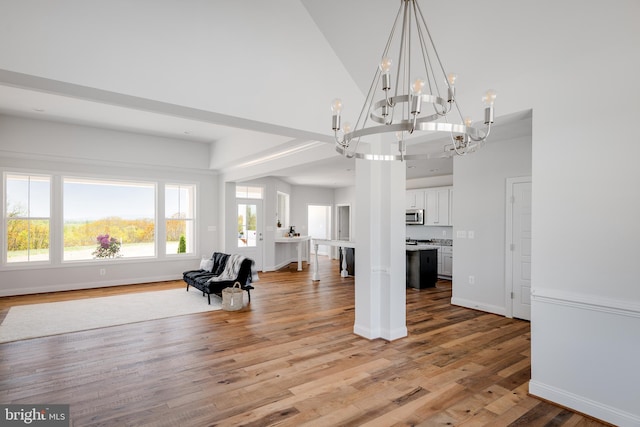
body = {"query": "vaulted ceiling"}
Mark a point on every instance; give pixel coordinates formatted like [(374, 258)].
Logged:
[(253, 79)]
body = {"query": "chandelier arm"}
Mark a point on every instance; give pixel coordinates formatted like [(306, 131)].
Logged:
[(369, 99), (433, 45), (428, 64), (402, 49), (391, 34), (455, 145), (426, 58), (484, 137)]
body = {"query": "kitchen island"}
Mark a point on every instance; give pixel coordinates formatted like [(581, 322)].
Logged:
[(342, 244), (422, 267), (301, 241), (445, 253)]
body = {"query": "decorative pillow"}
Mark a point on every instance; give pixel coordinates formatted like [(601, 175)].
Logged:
[(206, 264)]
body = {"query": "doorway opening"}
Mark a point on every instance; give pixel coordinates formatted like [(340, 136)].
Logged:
[(319, 225)]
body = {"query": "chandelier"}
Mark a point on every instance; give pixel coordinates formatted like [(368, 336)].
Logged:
[(412, 101)]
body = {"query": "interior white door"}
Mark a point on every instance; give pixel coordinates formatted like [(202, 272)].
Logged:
[(521, 249), (344, 222), (250, 234)]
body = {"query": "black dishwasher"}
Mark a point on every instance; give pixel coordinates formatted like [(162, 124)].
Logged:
[(422, 268)]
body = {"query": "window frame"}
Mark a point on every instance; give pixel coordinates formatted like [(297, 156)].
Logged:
[(56, 218), (113, 180), (5, 218), (193, 219)]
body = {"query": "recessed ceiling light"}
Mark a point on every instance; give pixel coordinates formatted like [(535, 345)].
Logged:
[(39, 110), (411, 167), (434, 170), (187, 132)]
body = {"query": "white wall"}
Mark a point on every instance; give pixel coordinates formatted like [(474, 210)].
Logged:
[(423, 232), (55, 148), (585, 293), (40, 139), (480, 200)]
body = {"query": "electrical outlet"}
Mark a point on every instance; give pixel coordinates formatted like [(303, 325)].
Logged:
[(103, 271), (444, 233), (472, 280)]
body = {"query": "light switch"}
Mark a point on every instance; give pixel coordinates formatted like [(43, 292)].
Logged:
[(461, 234), (471, 234)]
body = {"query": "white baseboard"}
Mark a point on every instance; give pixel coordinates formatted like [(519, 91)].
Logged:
[(584, 405), (366, 332), (284, 264), (389, 335), (479, 306), (86, 285)]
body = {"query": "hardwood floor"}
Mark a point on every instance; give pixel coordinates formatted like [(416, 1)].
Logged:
[(290, 358)]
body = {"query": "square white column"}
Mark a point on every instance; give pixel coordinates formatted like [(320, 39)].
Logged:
[(380, 256)]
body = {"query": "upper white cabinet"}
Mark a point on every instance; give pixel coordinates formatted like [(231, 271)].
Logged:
[(437, 206), (415, 199)]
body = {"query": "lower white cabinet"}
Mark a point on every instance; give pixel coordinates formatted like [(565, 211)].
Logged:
[(445, 262)]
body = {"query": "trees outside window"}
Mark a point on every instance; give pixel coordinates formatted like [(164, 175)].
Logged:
[(27, 215), (122, 210), (179, 208), (92, 218)]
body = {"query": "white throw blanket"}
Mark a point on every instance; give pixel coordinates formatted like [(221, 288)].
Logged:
[(232, 268)]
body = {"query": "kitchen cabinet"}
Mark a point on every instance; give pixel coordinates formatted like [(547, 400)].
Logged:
[(437, 206), (445, 257), (415, 199)]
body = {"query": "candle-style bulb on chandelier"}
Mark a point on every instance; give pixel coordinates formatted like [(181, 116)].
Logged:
[(412, 101)]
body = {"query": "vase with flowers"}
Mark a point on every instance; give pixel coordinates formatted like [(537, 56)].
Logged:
[(108, 247)]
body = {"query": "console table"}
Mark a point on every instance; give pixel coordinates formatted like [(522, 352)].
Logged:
[(299, 240), (342, 244)]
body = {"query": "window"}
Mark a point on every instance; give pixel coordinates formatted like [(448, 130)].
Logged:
[(27, 215), (245, 192), (179, 208), (108, 219), (247, 215), (247, 225)]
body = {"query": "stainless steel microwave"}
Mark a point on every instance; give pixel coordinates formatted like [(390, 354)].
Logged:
[(415, 216)]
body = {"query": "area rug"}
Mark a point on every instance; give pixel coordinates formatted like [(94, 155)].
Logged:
[(40, 320)]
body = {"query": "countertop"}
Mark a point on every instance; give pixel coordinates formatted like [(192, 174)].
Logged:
[(421, 247), (431, 244), (292, 239)]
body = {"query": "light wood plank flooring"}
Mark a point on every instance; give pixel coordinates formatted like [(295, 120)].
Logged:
[(290, 358)]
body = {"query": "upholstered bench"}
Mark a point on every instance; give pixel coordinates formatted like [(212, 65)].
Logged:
[(202, 279)]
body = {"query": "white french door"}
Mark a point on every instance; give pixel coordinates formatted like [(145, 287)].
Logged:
[(518, 263), (250, 235)]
